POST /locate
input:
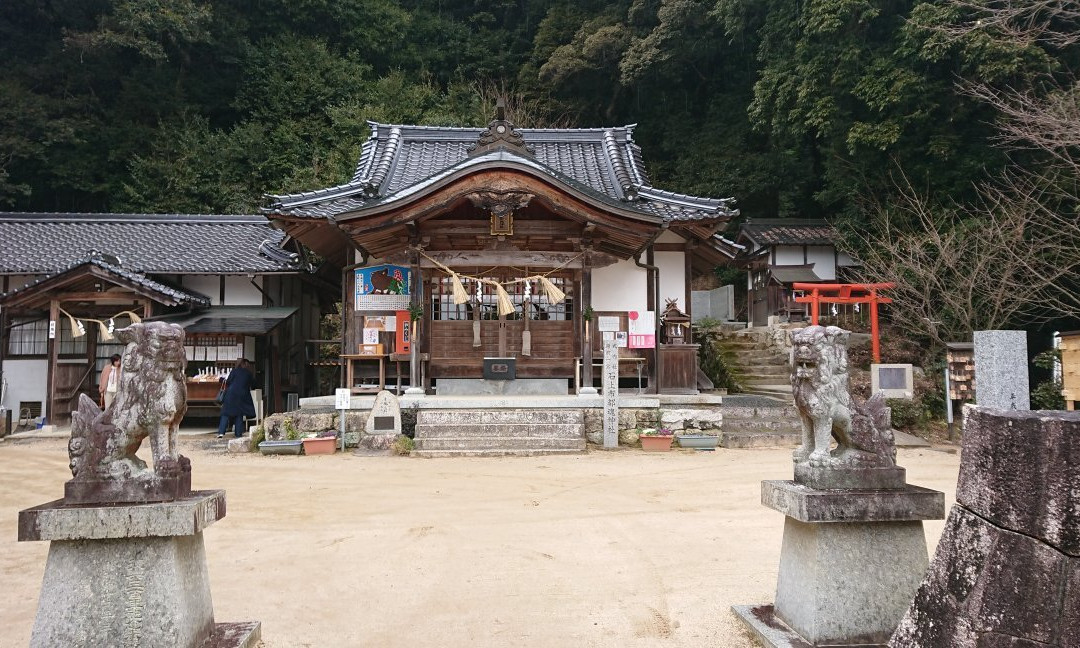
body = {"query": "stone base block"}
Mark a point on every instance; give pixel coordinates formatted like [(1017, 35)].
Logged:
[(771, 631), (518, 387), (58, 520), (128, 491), (848, 584), (125, 592), (810, 505), (990, 587), (893, 477), (245, 634)]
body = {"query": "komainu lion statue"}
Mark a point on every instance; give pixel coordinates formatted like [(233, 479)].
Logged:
[(819, 381), (151, 400)]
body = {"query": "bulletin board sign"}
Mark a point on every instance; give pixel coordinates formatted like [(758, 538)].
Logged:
[(381, 288), (642, 333)]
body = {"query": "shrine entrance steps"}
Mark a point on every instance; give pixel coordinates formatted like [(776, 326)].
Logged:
[(761, 369), (499, 432)]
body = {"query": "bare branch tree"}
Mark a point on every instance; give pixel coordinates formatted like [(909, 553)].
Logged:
[(1009, 260), (1023, 22)]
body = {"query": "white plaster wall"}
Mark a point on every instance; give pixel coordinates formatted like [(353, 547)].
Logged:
[(204, 285), (620, 286), (788, 255), (844, 260), (26, 380), (672, 277), (238, 289), (667, 236), (240, 292), (824, 259)]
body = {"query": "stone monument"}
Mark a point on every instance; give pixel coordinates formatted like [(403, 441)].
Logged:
[(1007, 567), (610, 382), (126, 563), (853, 551), (383, 423), (1001, 370)]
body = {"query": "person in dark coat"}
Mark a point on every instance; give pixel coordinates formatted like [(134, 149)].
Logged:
[(237, 403)]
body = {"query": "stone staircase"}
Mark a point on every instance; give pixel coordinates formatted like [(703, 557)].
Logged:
[(493, 433), (759, 422), (761, 369)]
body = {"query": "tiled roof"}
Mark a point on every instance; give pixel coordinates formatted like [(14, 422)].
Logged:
[(173, 294), (38, 243), (788, 231), (398, 158)]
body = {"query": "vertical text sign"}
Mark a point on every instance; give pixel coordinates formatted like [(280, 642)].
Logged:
[(610, 385)]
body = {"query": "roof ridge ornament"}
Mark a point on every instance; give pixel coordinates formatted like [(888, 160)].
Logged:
[(500, 134)]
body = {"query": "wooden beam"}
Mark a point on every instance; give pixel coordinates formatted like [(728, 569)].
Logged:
[(489, 258), (669, 247)]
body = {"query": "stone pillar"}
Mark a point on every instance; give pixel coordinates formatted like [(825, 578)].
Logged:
[(611, 394), (129, 575), (1001, 370), (1007, 567)]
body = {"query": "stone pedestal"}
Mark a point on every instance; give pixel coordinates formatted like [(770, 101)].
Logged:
[(850, 564), (129, 575)]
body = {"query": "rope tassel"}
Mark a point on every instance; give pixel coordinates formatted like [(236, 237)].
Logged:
[(460, 296), (551, 291), (506, 307)]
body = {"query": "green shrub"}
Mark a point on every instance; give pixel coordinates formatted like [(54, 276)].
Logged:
[(292, 433), (713, 359), (906, 414), (258, 435), (1047, 396), (403, 445)]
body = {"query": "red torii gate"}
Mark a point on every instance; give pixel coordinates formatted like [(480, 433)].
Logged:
[(846, 294)]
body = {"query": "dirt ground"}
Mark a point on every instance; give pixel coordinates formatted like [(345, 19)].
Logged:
[(619, 548)]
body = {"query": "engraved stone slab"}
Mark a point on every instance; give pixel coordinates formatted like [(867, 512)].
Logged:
[(125, 593), (1001, 370), (810, 505), (184, 517), (1019, 471), (385, 417), (610, 384)]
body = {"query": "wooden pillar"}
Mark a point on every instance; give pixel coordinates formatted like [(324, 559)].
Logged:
[(688, 273), (874, 327), (587, 326), (652, 281), (54, 350), (416, 296)]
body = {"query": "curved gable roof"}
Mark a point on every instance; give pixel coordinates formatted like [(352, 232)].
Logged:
[(397, 159)]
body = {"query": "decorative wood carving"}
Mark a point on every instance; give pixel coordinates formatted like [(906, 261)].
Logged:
[(501, 206)]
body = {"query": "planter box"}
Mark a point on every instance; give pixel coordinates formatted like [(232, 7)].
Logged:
[(281, 447), (656, 443), (320, 445), (698, 440)]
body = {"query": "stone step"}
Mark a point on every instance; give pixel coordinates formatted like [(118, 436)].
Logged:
[(759, 439), (495, 453), (505, 430), (508, 416), (770, 377), (735, 412), (499, 443), (758, 356), (762, 424)]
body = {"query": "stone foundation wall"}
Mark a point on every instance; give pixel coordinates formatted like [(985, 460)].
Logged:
[(631, 420)]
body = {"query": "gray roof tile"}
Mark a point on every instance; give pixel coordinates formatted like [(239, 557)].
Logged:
[(788, 231), (181, 296), (37, 243), (398, 157)]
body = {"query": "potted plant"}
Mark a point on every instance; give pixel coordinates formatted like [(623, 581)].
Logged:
[(291, 445), (699, 441), (656, 440), (321, 443)]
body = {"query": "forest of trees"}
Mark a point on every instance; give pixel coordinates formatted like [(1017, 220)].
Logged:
[(876, 114)]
